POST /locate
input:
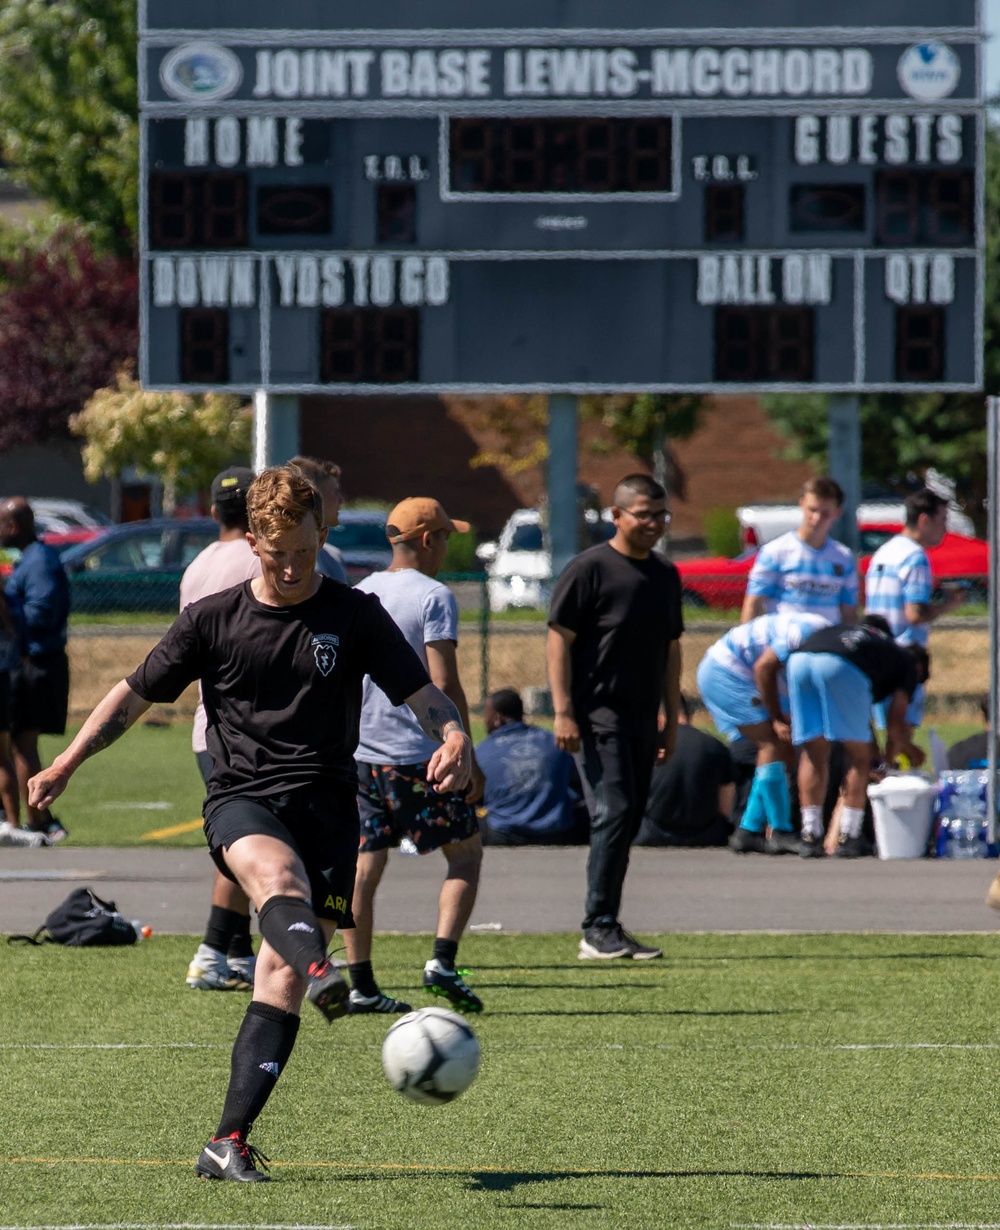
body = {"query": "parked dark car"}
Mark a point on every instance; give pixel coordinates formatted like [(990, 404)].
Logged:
[(360, 537), (137, 566)]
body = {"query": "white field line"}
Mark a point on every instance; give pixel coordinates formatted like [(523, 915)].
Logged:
[(534, 1046)]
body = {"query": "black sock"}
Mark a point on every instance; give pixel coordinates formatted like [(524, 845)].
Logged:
[(239, 941), (446, 951), (362, 978), (222, 925), (290, 927), (260, 1052)]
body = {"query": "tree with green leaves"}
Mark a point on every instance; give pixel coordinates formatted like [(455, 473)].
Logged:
[(909, 433), (182, 439), (69, 111)]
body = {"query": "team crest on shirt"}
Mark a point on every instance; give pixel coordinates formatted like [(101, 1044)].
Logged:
[(838, 570), (325, 651)]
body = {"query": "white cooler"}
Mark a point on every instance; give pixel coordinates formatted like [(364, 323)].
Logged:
[(903, 807)]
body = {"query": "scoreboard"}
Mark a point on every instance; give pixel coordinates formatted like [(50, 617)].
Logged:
[(360, 196)]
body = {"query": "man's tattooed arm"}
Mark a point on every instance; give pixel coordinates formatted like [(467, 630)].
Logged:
[(437, 716), (109, 731)]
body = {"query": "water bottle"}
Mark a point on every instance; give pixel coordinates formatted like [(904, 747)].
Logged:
[(969, 812), (944, 807), (142, 931)]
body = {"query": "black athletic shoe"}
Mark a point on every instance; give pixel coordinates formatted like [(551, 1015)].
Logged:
[(811, 846), (639, 951), (782, 842), (447, 984), (854, 847), (357, 1004), (745, 842), (328, 990), (232, 1158)]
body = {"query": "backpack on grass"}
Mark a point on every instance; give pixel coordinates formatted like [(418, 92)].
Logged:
[(83, 920)]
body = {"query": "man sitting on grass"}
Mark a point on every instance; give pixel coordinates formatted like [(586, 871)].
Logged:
[(281, 661)]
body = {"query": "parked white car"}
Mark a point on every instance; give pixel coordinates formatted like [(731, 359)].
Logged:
[(519, 567)]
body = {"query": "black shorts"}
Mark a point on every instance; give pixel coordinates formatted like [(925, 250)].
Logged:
[(396, 801), (39, 697), (321, 826)]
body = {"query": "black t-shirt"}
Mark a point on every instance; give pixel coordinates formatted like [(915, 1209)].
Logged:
[(281, 685), (889, 667), (684, 794), (625, 612)]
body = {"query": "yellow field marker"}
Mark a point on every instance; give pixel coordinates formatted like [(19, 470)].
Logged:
[(188, 826)]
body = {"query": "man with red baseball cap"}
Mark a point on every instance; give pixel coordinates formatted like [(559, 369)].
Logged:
[(393, 799)]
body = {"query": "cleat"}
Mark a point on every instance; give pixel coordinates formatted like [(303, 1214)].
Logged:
[(854, 847), (447, 984), (782, 842), (54, 831), (358, 1004), (243, 968), (210, 971), (14, 835), (811, 846), (232, 1158), (327, 989), (743, 841)]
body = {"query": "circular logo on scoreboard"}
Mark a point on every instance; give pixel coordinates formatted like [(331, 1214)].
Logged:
[(928, 71), (200, 72)]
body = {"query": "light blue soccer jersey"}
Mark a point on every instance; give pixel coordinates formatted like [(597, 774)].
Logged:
[(739, 650), (792, 576), (899, 572)]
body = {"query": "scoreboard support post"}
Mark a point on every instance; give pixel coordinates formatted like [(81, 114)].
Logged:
[(275, 429), (844, 462), (563, 513)]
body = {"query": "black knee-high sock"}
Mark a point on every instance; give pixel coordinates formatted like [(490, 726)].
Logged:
[(290, 927), (223, 927), (260, 1053), (239, 942)]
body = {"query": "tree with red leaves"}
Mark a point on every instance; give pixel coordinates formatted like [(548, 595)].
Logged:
[(68, 321)]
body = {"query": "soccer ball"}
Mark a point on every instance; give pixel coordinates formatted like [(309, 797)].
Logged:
[(430, 1056)]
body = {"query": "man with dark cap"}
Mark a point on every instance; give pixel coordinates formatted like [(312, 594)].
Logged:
[(224, 960), (38, 596)]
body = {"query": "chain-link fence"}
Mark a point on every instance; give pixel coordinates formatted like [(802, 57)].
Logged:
[(503, 648)]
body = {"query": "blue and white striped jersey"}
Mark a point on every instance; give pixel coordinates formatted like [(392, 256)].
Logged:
[(792, 576), (899, 572), (741, 647)]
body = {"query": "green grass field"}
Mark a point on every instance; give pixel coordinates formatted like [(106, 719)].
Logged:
[(742, 1081)]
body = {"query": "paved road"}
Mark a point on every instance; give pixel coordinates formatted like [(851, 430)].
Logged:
[(542, 890)]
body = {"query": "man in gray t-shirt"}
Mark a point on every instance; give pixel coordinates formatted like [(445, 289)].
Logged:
[(393, 799)]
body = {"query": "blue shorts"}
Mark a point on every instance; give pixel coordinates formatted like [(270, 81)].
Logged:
[(731, 700), (830, 698), (914, 711)]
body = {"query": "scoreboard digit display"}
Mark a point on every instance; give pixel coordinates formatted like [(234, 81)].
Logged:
[(705, 196)]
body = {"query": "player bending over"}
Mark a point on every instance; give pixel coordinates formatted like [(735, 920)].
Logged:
[(281, 660)]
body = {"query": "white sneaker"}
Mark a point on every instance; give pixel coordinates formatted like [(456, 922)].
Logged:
[(210, 971), (244, 968), (12, 835)]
